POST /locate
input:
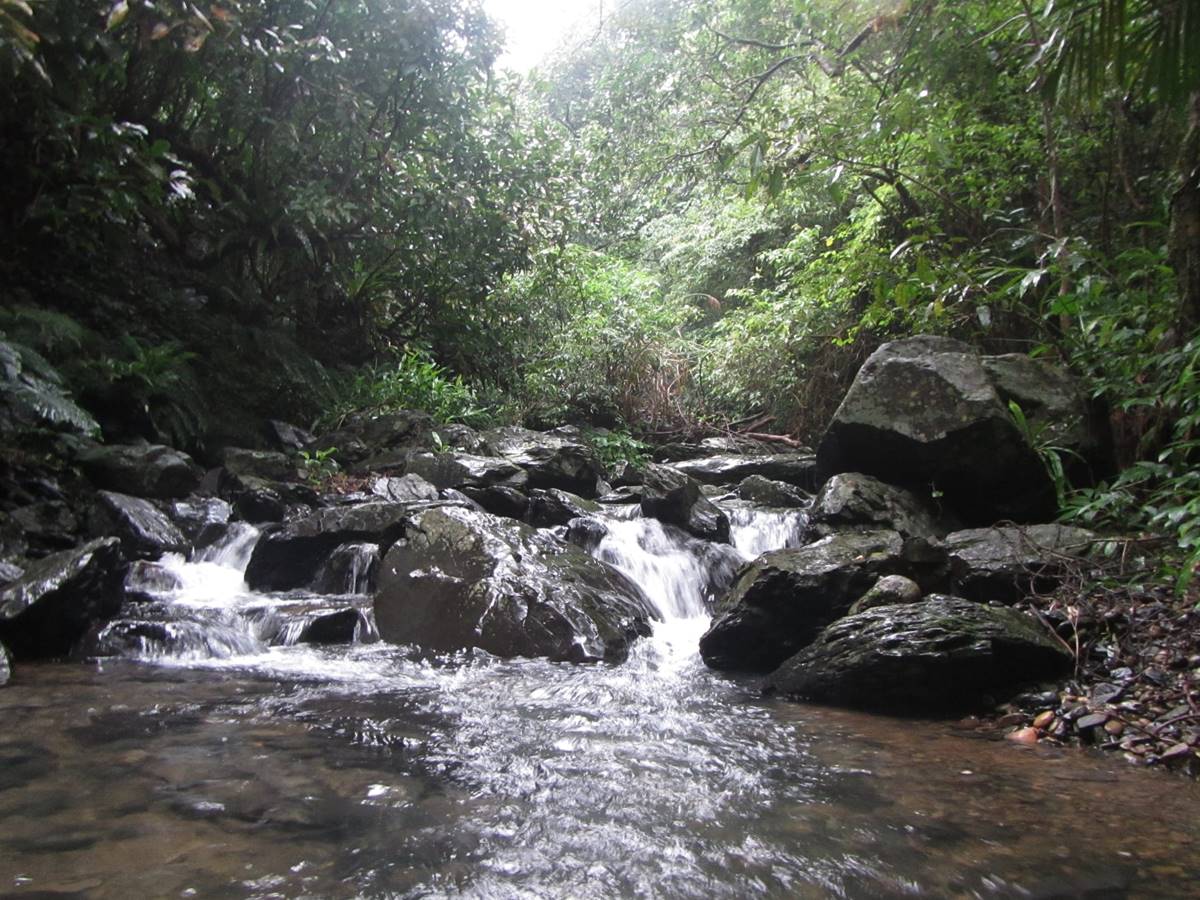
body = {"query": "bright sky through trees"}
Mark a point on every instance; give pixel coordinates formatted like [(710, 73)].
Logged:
[(535, 27)]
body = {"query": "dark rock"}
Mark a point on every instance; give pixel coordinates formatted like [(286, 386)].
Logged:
[(552, 460), (269, 465), (257, 500), (332, 628), (796, 469), (350, 569), (1056, 407), (677, 451), (551, 507), (586, 532), (854, 500), (889, 590), (51, 606), (630, 493), (709, 446), (32, 395), (1007, 564), (625, 474), (764, 491), (782, 600), (288, 436), (203, 520), (5, 666), (144, 530), (403, 430), (288, 555), (940, 655), (405, 489), (673, 497), (142, 470), (460, 437), (10, 571), (146, 581), (923, 411), (460, 579), (259, 506), (500, 501), (48, 526), (464, 470)]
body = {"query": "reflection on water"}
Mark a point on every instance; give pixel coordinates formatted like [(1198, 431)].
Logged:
[(366, 771)]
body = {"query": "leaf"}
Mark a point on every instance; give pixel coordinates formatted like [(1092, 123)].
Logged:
[(116, 15)]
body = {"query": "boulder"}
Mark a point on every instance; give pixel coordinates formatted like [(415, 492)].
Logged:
[(349, 569), (10, 571), (782, 600), (378, 441), (269, 465), (676, 499), (405, 489), (145, 582), (460, 579), (499, 500), (1007, 564), (624, 474), (923, 412), (767, 492), (856, 501), (460, 437), (551, 507), (51, 606), (888, 591), (203, 520), (332, 628), (289, 555), (943, 654), (796, 469), (48, 525), (32, 395), (465, 470), (144, 529), (142, 470), (552, 460), (288, 436), (1058, 411), (5, 666)]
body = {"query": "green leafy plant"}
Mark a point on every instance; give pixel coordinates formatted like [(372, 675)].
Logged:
[(613, 447), (319, 465)]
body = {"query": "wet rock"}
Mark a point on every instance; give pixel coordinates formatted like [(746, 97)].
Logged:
[(552, 460), (943, 654), (51, 606), (1023, 736), (764, 491), (923, 411), (796, 469), (288, 436), (144, 530), (1044, 719), (630, 493), (625, 474), (405, 489), (145, 582), (1007, 564), (500, 501), (1053, 402), (1092, 720), (48, 526), (551, 507), (464, 470), (854, 500), (460, 579), (460, 437), (259, 506), (203, 520), (5, 666), (350, 569), (676, 499), (782, 600), (141, 470), (269, 465), (32, 395), (888, 591), (586, 532), (332, 628), (288, 555), (10, 571)]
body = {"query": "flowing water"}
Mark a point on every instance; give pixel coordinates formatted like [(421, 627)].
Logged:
[(225, 759)]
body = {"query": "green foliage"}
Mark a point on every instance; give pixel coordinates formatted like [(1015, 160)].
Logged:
[(613, 447), (320, 465), (417, 382)]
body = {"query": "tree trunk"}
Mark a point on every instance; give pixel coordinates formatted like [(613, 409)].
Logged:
[(1185, 224)]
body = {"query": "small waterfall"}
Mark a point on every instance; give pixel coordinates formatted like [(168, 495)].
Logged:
[(350, 569), (758, 531), (667, 566)]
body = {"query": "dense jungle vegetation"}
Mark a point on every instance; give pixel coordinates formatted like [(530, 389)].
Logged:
[(695, 216)]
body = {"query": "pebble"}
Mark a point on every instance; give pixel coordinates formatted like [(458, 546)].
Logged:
[(1044, 719), (1115, 727), (1095, 720), (1015, 718), (1025, 736)]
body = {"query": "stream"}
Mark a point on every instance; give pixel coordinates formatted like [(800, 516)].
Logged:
[(223, 759)]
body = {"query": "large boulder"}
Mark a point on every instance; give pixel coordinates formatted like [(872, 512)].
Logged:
[(290, 555), (460, 579), (465, 470), (923, 412), (766, 492), (144, 530), (406, 489), (49, 608), (797, 469), (48, 525), (270, 465), (143, 470), (552, 460), (782, 600), (551, 507), (856, 501), (203, 520), (676, 499), (1006, 564), (1053, 402), (941, 654), (32, 395)]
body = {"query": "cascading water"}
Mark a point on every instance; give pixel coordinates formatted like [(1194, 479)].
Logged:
[(256, 766)]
